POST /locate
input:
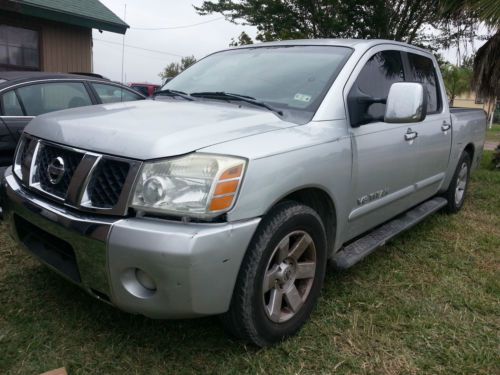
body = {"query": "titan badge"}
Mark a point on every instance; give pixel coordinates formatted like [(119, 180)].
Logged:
[(372, 197)]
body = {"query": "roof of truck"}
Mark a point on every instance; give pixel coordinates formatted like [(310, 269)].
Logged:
[(353, 43)]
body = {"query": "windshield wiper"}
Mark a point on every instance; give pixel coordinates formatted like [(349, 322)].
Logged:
[(221, 95), (168, 92)]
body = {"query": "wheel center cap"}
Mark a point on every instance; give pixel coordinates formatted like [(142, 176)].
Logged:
[(286, 272)]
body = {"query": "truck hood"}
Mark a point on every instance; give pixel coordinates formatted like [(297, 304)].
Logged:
[(153, 129)]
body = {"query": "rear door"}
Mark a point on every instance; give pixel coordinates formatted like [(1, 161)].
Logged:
[(384, 161), (434, 133)]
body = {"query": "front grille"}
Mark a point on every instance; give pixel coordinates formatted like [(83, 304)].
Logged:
[(46, 155), (107, 182), (79, 179)]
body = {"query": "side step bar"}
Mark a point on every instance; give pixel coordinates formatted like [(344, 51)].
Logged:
[(357, 250)]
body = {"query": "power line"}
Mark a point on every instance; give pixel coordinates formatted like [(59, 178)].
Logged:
[(176, 27), (140, 48)]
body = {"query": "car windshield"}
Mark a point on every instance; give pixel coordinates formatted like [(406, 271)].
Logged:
[(293, 79)]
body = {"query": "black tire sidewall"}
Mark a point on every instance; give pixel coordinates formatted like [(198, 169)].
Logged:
[(452, 205), (309, 222)]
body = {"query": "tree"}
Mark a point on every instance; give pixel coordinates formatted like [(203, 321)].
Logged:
[(242, 40), (173, 69), (487, 73), (456, 22), (486, 78), (457, 80), (294, 19)]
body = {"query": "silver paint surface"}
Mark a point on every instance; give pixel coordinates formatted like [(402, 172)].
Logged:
[(196, 264)]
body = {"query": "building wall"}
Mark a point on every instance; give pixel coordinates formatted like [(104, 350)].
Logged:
[(468, 100), (63, 48)]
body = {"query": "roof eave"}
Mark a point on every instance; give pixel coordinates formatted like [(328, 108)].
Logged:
[(55, 15)]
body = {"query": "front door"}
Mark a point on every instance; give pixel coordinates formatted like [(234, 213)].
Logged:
[(384, 155)]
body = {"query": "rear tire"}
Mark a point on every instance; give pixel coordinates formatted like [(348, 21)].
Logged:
[(281, 276), (458, 186)]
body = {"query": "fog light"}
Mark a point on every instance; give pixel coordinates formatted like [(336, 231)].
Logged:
[(145, 280)]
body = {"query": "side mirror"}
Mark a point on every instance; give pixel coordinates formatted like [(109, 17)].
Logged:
[(406, 103)]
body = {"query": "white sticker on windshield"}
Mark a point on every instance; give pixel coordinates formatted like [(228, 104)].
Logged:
[(302, 97)]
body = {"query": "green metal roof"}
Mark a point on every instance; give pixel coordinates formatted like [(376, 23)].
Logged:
[(87, 13)]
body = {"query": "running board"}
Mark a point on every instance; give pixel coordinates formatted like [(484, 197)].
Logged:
[(357, 250)]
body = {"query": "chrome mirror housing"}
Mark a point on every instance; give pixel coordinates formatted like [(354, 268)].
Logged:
[(406, 103)]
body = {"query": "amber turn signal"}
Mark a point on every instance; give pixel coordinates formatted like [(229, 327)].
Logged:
[(233, 172), (221, 203), (226, 188)]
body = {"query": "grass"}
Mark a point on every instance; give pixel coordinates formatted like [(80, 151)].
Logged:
[(493, 134), (427, 303)]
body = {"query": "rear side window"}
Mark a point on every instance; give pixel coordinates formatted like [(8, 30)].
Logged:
[(10, 105), (422, 70), (374, 81), (42, 98), (114, 94)]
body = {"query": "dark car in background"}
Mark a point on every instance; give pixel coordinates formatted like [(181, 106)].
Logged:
[(25, 95), (147, 89)]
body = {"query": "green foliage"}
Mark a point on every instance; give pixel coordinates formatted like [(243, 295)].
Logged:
[(173, 69), (487, 59), (487, 68), (457, 80), (293, 19), (487, 11), (242, 40)]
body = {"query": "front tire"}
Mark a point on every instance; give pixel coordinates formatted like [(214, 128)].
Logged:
[(458, 187), (280, 277)]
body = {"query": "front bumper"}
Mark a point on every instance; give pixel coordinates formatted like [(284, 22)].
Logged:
[(193, 265)]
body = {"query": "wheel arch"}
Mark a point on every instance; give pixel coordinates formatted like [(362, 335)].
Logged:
[(470, 149), (320, 201)]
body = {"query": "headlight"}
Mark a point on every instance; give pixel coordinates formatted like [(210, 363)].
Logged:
[(197, 185)]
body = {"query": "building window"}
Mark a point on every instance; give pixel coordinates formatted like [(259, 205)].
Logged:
[(19, 48)]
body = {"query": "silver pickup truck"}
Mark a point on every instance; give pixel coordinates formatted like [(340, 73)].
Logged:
[(230, 192)]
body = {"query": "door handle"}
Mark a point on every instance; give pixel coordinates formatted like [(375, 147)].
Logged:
[(410, 135), (446, 126)]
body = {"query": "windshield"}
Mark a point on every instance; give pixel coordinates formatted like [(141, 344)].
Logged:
[(293, 79)]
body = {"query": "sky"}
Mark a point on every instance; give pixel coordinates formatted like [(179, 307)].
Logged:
[(147, 52), (144, 66)]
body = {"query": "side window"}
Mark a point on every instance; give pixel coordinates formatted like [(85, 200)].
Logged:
[(10, 105), (423, 71), (371, 89), (42, 98), (114, 94)]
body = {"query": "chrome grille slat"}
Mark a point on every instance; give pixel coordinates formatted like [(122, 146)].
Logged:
[(81, 178), (91, 182)]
